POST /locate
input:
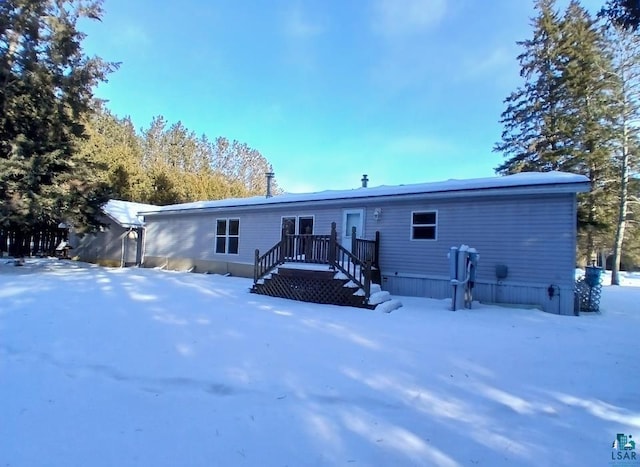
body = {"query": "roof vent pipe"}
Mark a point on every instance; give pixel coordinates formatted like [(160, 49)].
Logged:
[(364, 180), (270, 176)]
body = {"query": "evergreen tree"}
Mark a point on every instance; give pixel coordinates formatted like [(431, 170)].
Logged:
[(588, 112), (115, 144), (168, 164), (185, 168), (164, 186), (533, 134), (624, 13), (46, 84), (241, 164), (560, 119)]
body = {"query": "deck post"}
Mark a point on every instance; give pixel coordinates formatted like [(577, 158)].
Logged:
[(283, 243), (376, 250), (307, 242), (367, 279), (333, 239), (353, 241), (255, 266)]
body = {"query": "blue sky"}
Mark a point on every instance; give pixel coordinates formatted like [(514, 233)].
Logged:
[(406, 91)]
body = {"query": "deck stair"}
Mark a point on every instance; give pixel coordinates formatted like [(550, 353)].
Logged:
[(317, 269), (322, 286)]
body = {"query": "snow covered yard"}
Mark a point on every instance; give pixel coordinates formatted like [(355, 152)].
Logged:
[(138, 367)]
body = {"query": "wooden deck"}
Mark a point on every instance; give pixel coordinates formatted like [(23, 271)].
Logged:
[(316, 268)]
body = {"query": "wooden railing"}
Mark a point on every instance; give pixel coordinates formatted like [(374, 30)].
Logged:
[(264, 264), (366, 250), (292, 249), (357, 271), (323, 249), (306, 248)]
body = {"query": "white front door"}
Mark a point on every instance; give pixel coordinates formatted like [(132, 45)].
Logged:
[(351, 218)]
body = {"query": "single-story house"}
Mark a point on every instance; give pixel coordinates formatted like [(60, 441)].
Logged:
[(523, 226), (119, 242)]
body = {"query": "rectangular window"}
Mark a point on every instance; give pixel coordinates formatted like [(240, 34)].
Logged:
[(297, 225), (352, 219), (424, 225), (305, 225), (227, 236), (289, 225)]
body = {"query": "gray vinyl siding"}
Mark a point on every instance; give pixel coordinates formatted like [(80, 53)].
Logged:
[(180, 236), (532, 237), (193, 235), (101, 247)]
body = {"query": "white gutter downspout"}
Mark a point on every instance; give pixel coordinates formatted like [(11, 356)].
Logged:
[(143, 245)]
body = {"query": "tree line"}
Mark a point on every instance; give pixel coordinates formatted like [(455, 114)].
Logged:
[(168, 164), (578, 110)]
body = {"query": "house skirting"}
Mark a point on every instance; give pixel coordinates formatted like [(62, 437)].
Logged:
[(199, 265), (505, 293)]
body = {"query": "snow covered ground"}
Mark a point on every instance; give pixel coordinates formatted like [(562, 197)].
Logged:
[(141, 367)]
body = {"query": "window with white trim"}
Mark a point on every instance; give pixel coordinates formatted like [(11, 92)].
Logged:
[(297, 225), (227, 236), (424, 225)]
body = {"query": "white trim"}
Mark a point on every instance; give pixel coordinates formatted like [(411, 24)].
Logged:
[(412, 225), (345, 212), (345, 237)]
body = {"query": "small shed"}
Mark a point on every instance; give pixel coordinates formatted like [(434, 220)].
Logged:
[(120, 242)]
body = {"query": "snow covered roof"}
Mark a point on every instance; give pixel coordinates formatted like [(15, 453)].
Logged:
[(125, 213), (525, 179)]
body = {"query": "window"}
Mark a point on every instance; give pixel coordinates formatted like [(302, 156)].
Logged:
[(305, 225), (351, 220), (227, 235), (297, 225), (424, 225), (289, 225)]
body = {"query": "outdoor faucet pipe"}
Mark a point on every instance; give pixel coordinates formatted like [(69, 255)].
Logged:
[(468, 275)]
